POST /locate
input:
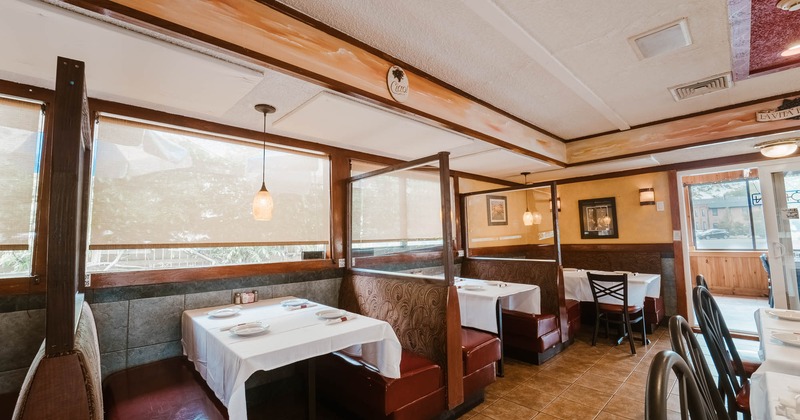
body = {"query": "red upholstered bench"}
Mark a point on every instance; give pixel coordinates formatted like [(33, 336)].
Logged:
[(653, 312), (166, 389), (573, 318), (532, 338), (351, 383), (479, 352)]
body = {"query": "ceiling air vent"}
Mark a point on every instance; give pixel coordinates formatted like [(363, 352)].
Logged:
[(701, 87)]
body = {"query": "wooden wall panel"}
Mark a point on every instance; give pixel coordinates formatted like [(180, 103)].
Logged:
[(731, 273)]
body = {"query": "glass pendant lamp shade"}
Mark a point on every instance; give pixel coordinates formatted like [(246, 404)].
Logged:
[(262, 202), (527, 218)]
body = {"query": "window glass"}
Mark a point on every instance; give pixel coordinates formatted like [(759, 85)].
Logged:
[(168, 198), (20, 154), (736, 220), (396, 212)]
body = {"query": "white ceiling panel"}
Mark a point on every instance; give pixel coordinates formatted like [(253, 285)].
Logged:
[(335, 120), (120, 65), (498, 163)]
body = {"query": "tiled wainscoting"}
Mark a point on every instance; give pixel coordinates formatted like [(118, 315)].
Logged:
[(141, 324)]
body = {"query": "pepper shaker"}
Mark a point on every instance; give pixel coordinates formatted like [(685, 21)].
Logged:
[(255, 295)]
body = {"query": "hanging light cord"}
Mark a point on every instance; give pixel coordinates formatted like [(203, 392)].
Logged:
[(526, 193), (264, 155)]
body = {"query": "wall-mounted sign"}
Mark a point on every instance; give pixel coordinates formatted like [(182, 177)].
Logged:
[(788, 110), (397, 82)]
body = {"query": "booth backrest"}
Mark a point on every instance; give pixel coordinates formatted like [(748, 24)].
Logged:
[(540, 273), (67, 385), (415, 308), (641, 262)]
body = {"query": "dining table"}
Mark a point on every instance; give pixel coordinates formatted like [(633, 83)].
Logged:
[(640, 285), (481, 304), (228, 343), (775, 385)]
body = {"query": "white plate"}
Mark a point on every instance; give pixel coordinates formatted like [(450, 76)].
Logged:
[(294, 302), (331, 314), (791, 339), (252, 328), (787, 315), (473, 287), (225, 312)]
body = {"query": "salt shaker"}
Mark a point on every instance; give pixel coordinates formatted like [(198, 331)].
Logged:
[(255, 295), (237, 298)]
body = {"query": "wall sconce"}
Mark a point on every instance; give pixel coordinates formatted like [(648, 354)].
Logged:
[(647, 197), (558, 204)]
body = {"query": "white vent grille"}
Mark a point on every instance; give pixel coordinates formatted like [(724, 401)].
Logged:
[(701, 87)]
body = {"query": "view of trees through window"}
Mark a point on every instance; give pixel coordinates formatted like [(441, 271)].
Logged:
[(728, 215)]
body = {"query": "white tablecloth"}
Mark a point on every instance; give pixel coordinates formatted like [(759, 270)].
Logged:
[(479, 307), (779, 370), (225, 360), (776, 396), (576, 286)]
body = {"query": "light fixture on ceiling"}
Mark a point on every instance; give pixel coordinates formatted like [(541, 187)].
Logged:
[(778, 148), (262, 202), (647, 196), (793, 49), (529, 218), (788, 5)]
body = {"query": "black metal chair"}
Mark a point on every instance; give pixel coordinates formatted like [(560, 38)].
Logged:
[(693, 405), (701, 281), (765, 263), (732, 376), (684, 342), (615, 287)]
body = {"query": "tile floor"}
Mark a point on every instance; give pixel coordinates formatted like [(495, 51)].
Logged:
[(582, 382)]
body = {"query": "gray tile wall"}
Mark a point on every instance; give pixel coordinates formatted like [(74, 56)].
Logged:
[(668, 290), (140, 326)]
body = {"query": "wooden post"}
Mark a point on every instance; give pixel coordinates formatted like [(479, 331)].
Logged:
[(66, 232)]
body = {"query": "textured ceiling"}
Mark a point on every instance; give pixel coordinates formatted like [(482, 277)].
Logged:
[(566, 67)]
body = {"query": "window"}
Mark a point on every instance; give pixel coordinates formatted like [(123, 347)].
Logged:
[(169, 198), (20, 154), (737, 222), (396, 212)]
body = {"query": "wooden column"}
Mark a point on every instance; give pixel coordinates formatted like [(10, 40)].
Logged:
[(677, 246), (66, 232)]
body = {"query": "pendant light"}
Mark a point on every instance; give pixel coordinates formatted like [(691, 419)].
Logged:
[(529, 218), (262, 202)]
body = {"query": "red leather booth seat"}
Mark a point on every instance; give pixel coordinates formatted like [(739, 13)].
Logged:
[(653, 312), (533, 338), (479, 352), (349, 382), (573, 317)]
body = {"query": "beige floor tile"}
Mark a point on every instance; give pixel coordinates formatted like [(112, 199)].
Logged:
[(632, 391), (480, 416), (562, 373), (503, 409), (605, 415), (638, 378), (548, 385), (599, 383), (501, 386), (625, 407), (544, 416), (530, 397), (568, 410), (587, 396), (619, 373)]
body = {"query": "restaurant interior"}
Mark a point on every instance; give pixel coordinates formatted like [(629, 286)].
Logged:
[(404, 210)]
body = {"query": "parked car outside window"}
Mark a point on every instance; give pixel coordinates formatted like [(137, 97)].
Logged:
[(713, 234)]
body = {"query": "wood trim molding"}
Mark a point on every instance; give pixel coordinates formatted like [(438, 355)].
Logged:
[(714, 127), (139, 278), (677, 246), (259, 33)]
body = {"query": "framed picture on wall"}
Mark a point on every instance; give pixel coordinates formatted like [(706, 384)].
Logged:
[(598, 218), (497, 210)]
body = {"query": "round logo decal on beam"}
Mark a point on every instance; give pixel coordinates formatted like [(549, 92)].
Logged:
[(397, 82)]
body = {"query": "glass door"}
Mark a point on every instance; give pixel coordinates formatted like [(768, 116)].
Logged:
[(781, 188)]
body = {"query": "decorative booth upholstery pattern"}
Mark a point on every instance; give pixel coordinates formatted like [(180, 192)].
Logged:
[(417, 311), (540, 273), (67, 385)]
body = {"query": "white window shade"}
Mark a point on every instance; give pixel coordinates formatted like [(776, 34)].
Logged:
[(20, 152), (155, 186), (399, 206)]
